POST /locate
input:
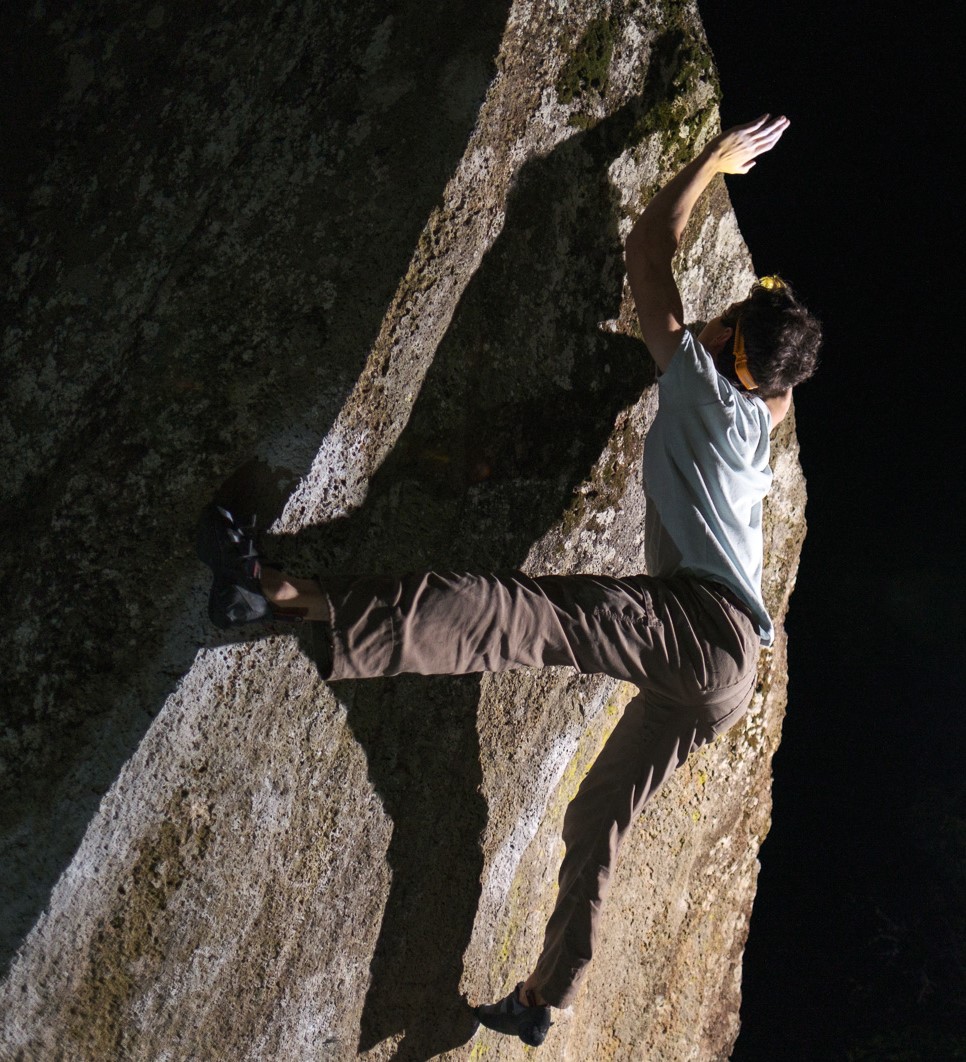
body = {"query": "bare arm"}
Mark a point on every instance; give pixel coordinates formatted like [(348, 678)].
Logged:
[(655, 237)]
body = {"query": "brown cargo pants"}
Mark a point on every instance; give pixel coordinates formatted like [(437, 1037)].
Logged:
[(688, 644)]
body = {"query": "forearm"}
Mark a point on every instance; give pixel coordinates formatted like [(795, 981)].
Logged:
[(649, 252), (659, 229), (650, 247)]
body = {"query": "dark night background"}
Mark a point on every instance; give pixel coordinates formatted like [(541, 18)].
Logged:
[(858, 940)]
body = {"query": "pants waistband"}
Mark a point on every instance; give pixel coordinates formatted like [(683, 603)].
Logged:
[(731, 597)]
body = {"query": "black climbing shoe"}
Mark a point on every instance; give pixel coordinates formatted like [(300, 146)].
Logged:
[(512, 1017), (229, 551)]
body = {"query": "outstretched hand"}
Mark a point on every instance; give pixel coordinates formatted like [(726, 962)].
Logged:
[(735, 150)]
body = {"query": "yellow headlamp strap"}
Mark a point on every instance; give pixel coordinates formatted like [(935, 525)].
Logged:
[(741, 360)]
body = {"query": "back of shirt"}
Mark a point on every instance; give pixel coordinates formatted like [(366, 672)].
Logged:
[(705, 474)]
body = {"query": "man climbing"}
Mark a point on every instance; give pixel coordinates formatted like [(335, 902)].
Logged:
[(687, 634)]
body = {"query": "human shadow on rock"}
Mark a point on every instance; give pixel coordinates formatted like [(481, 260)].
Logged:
[(517, 406), (100, 567)]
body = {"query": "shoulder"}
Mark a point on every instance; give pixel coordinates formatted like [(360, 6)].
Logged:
[(691, 375), (695, 394)]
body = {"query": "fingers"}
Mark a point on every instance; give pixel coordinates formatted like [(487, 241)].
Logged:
[(754, 124), (769, 135), (748, 127), (777, 125), (763, 125), (735, 148)]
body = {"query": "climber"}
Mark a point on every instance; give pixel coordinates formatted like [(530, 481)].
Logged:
[(687, 634)]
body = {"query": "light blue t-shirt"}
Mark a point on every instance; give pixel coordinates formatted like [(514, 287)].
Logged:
[(705, 474)]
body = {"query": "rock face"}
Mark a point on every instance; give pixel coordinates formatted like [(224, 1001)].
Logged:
[(356, 268)]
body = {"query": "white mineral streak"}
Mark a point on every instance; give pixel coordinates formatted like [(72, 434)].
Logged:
[(505, 860), (471, 218)]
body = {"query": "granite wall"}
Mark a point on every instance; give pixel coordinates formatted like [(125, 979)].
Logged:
[(355, 268)]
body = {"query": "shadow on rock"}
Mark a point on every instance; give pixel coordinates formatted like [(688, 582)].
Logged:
[(518, 404), (516, 408), (267, 270)]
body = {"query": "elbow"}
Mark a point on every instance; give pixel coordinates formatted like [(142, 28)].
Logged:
[(638, 238), (648, 244)]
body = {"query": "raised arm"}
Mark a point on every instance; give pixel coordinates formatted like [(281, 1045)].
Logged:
[(655, 237)]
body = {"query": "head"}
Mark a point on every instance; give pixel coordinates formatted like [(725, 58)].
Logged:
[(780, 338)]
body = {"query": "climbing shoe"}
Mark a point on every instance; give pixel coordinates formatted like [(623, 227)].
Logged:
[(229, 550), (510, 1016)]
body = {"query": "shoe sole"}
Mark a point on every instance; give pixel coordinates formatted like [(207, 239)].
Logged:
[(211, 527), (510, 1026), (227, 594)]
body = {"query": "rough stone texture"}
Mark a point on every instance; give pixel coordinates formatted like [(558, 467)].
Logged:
[(358, 267)]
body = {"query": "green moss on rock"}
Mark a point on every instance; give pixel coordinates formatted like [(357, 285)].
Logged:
[(679, 61), (587, 66)]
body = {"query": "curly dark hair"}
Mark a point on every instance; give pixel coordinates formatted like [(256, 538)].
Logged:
[(782, 338)]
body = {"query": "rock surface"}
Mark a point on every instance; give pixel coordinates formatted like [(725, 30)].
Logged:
[(358, 268)]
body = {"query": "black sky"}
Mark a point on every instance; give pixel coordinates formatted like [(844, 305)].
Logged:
[(857, 941)]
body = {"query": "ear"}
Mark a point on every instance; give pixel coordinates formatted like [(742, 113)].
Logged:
[(719, 340)]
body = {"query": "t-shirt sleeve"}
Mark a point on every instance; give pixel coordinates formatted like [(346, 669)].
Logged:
[(698, 398), (692, 379)]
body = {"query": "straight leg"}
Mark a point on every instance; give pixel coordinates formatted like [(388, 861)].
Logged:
[(648, 744), (457, 623)]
